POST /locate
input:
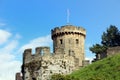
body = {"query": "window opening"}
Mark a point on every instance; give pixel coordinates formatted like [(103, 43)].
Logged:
[(33, 78), (69, 52), (61, 42), (77, 41)]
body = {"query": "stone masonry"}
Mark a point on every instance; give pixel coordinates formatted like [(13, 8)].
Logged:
[(113, 50), (68, 54), (18, 76), (109, 52)]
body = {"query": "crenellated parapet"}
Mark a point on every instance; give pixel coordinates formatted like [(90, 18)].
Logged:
[(66, 30), (39, 52)]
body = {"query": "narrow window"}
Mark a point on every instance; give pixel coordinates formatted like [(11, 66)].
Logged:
[(77, 41), (69, 52), (61, 41)]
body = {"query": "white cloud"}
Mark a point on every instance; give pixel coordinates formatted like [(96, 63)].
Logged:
[(9, 65), (89, 58), (8, 69), (4, 35), (9, 47), (89, 55), (40, 41)]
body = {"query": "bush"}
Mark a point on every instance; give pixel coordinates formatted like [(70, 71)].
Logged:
[(62, 77)]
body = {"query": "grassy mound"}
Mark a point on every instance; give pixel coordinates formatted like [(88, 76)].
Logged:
[(105, 69)]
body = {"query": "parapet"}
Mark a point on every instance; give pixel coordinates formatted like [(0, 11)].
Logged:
[(68, 29), (43, 51), (39, 52)]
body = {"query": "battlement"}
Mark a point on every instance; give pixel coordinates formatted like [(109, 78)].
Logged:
[(68, 29), (39, 52)]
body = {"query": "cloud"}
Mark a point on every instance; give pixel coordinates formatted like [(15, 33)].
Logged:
[(89, 58), (9, 68), (88, 54), (4, 36), (9, 64), (40, 41)]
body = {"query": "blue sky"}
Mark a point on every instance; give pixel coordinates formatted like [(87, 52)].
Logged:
[(28, 23)]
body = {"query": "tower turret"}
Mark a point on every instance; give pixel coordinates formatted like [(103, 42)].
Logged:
[(69, 40)]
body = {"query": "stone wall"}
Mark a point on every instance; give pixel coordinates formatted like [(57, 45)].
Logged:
[(113, 50), (42, 67), (18, 76), (109, 52)]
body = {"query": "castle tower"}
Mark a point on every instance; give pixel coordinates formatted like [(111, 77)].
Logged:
[(69, 40), (68, 45)]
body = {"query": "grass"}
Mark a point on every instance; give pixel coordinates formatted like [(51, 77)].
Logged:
[(105, 69)]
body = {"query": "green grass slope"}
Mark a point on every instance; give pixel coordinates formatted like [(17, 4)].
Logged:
[(106, 69)]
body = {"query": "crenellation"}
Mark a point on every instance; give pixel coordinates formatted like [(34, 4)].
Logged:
[(68, 29), (46, 51), (38, 51), (27, 55), (27, 52), (81, 28)]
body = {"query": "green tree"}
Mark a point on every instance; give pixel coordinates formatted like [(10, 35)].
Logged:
[(110, 38), (98, 49)]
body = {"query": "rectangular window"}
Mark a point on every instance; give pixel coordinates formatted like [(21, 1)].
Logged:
[(61, 42), (77, 41)]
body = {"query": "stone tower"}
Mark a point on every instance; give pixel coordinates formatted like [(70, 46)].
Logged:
[(69, 40)]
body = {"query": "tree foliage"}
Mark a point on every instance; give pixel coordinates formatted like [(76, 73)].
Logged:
[(97, 48), (110, 38)]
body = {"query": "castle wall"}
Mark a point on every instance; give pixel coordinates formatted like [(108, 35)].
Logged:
[(43, 68), (109, 52), (113, 50)]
